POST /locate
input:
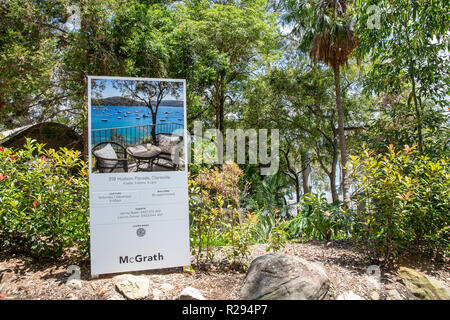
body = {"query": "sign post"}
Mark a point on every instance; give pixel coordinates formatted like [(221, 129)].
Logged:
[(138, 186)]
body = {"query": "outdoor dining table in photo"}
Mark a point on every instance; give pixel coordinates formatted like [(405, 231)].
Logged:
[(145, 155)]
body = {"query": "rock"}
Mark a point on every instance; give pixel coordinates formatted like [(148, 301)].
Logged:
[(132, 287), (373, 282), (393, 295), (157, 294), (374, 295), (284, 277), (116, 296), (190, 293), (166, 287), (349, 295), (72, 296), (423, 286), (74, 284)]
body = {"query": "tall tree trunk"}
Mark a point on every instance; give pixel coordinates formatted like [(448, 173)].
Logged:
[(332, 176), (334, 194), (293, 176), (221, 118), (416, 106), (306, 173), (217, 116), (297, 190), (417, 112), (84, 73), (342, 145), (220, 102)]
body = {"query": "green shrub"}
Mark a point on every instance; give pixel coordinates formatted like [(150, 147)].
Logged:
[(270, 229), (319, 220), (404, 202), (43, 201), (216, 216)]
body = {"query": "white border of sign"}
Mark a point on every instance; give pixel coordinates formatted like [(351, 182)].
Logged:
[(114, 245)]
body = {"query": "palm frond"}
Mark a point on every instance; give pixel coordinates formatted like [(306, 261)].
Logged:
[(323, 29)]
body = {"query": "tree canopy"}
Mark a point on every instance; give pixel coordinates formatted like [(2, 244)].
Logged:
[(334, 77)]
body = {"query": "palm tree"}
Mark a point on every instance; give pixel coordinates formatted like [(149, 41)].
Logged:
[(323, 28)]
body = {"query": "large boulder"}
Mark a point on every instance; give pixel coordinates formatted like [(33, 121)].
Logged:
[(284, 277), (423, 286)]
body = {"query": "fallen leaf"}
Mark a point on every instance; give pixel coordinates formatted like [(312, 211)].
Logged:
[(102, 290)]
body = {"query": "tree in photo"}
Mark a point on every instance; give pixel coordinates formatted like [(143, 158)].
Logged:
[(150, 93)]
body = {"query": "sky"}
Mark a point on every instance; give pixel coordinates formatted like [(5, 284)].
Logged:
[(110, 91)]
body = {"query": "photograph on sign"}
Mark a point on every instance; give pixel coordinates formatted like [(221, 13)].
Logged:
[(138, 177), (138, 118)]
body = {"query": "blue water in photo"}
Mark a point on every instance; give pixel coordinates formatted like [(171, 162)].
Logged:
[(129, 125)]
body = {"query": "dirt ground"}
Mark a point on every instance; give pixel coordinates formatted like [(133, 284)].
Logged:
[(24, 278)]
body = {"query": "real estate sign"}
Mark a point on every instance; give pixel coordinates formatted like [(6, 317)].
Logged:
[(138, 175)]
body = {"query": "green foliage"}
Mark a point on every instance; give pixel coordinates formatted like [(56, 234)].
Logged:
[(216, 216), (395, 125), (407, 44), (39, 52), (270, 192), (323, 29), (43, 201), (319, 220), (28, 47), (299, 101), (404, 202), (269, 229), (218, 220), (277, 237), (240, 237), (120, 38), (228, 42), (407, 51)]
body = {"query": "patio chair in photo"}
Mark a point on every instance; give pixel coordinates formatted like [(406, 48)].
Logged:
[(168, 145), (110, 157)]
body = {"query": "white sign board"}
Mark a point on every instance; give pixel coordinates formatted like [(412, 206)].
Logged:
[(138, 185)]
